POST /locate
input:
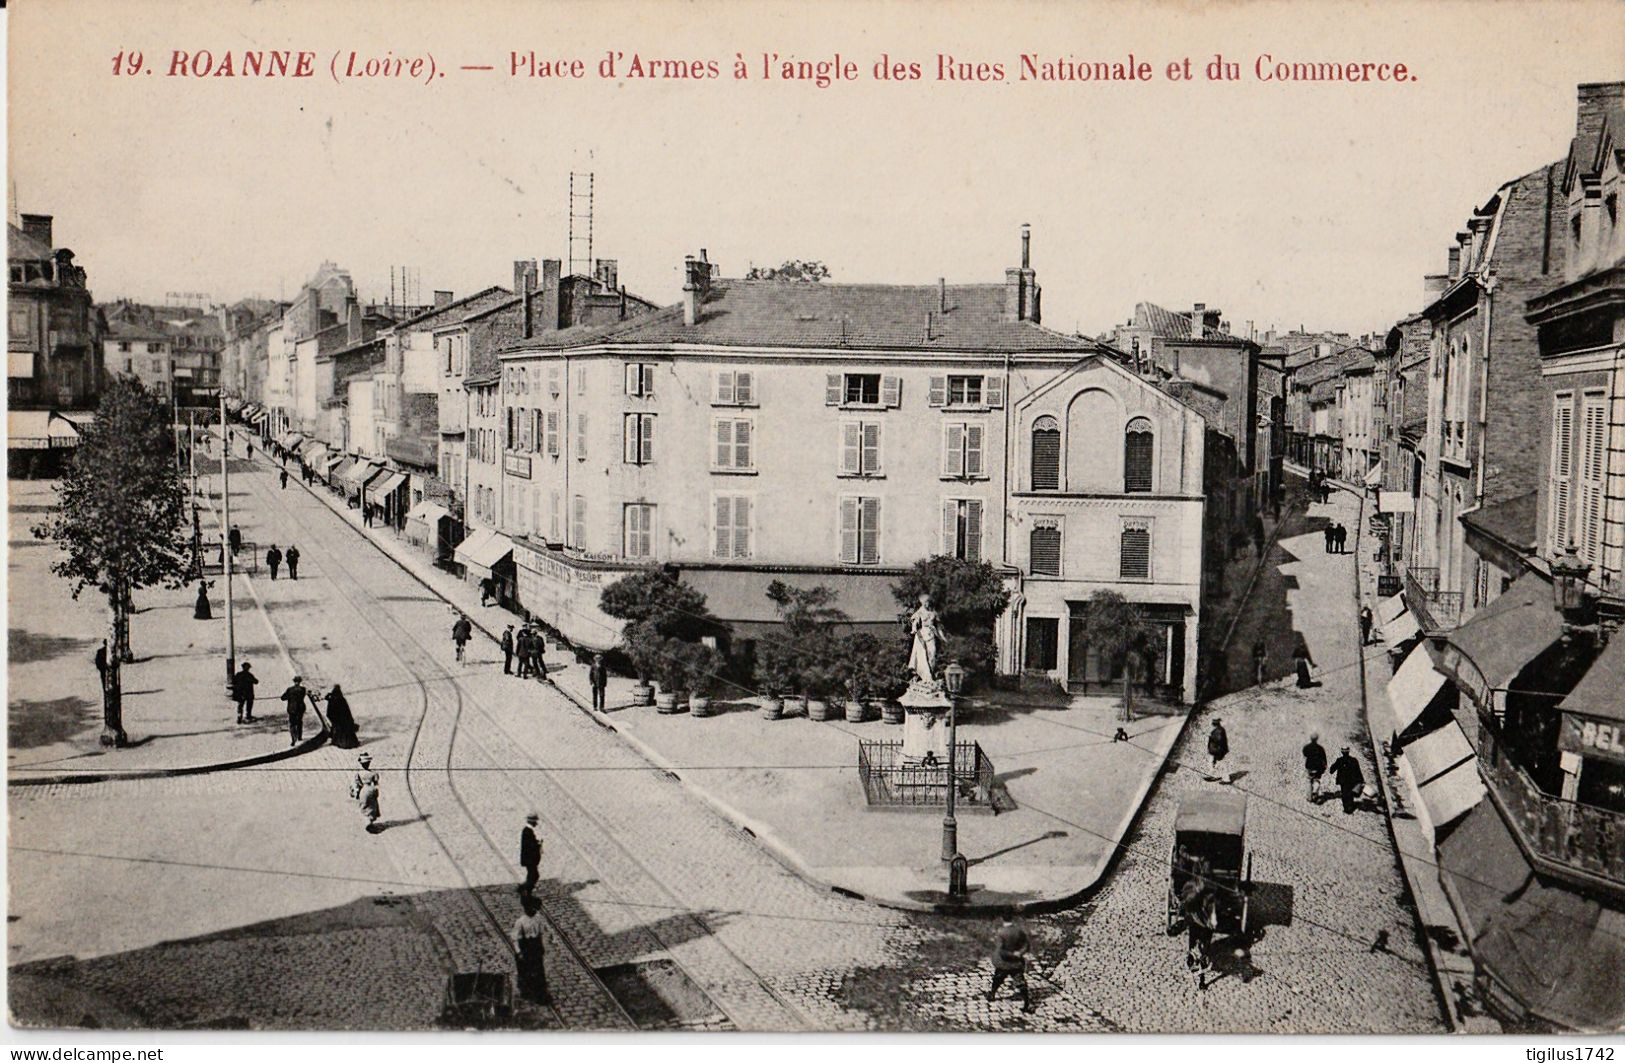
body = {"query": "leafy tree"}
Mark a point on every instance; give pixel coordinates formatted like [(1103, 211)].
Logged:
[(659, 610), (968, 596), (1121, 634), (794, 269), (791, 659), (120, 521)]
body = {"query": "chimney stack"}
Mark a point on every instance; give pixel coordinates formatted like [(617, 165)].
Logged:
[(1026, 246), (1455, 262), (524, 285), (551, 315), (352, 317), (39, 227), (691, 287), (1021, 285), (1596, 99), (442, 299), (942, 295), (606, 272), (1198, 319)]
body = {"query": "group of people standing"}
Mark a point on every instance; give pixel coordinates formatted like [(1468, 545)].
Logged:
[(528, 646), (275, 557), (341, 725), (1336, 537)]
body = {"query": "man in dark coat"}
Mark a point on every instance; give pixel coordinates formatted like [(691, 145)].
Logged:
[(1366, 620), (1218, 745), (461, 632), (101, 661), (521, 649), (1260, 662), (530, 855), (538, 653), (1350, 779), (235, 539), (295, 697), (273, 560), (507, 650), (242, 692), (1314, 765), (200, 610), (1326, 535), (598, 680), (292, 557), (1010, 947), (284, 479)]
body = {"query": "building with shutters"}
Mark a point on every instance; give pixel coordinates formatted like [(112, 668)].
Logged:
[(835, 434)]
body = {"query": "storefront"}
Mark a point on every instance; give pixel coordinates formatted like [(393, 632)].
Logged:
[(563, 592), (429, 526), (385, 493), (488, 555), (1592, 735), (1162, 675)]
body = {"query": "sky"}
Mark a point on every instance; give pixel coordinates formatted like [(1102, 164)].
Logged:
[(1321, 204)]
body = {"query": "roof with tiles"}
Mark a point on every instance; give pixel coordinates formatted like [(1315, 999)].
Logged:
[(1171, 325), (456, 310), (21, 245), (740, 313)]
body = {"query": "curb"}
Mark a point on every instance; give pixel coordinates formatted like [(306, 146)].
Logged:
[(1435, 965), (308, 745)]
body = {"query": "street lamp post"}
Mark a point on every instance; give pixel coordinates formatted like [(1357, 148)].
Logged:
[(225, 542), (953, 680)]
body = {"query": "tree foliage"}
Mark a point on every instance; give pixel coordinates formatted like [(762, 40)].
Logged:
[(794, 269), (796, 658), (1120, 632), (664, 616), (968, 596)]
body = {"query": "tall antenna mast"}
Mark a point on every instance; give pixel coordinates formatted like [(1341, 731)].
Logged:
[(580, 223)]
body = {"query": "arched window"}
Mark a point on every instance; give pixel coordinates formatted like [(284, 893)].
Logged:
[(1137, 456), (1046, 454)]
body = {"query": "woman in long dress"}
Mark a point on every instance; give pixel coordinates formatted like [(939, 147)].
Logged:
[(364, 789), (927, 630), (340, 723)]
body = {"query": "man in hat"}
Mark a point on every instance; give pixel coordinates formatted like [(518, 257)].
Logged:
[(461, 632), (530, 854), (1010, 946), (1314, 765), (1366, 621), (295, 697), (364, 790), (598, 680), (273, 560), (242, 692), (292, 557), (1218, 745), (1350, 779), (521, 650), (507, 650), (527, 942)]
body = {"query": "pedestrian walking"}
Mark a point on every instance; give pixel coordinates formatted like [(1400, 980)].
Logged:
[(1301, 661), (1326, 535), (1349, 778), (486, 590), (1340, 538), (273, 560), (1314, 766), (100, 658), (1010, 947), (236, 540), (522, 650), (242, 692), (364, 791), (284, 479), (200, 610), (1258, 537), (1199, 905), (530, 854), (461, 632), (598, 680), (295, 697), (528, 955), (1260, 662), (507, 650), (292, 557), (1366, 620), (1218, 745), (341, 726)]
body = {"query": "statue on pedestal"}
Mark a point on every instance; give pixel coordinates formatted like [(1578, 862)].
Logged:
[(927, 630)]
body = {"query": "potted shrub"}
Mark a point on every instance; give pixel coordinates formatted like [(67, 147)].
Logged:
[(671, 672), (776, 674), (702, 667), (643, 650), (659, 609), (853, 665), (818, 684), (806, 644)]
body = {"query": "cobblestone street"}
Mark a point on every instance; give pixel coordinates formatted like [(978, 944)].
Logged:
[(277, 910)]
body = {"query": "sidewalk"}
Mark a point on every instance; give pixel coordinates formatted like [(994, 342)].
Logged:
[(1451, 961), (792, 784), (176, 712)]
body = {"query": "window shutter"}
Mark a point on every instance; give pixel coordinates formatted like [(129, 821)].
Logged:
[(1046, 459), (648, 381), (973, 450), (581, 380), (741, 444), (633, 379), (869, 537), (891, 391), (871, 449), (1562, 471), (1135, 556), (581, 437), (993, 391), (851, 448), (553, 432), (742, 526), (725, 387), (938, 393), (722, 526), (973, 531), (724, 456), (579, 521), (744, 388), (849, 530), (832, 389), (950, 527), (629, 439), (647, 453), (553, 380), (1044, 554), (553, 515), (953, 449), (1137, 451)]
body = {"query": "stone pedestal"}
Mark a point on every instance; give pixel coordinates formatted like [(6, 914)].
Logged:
[(925, 723)]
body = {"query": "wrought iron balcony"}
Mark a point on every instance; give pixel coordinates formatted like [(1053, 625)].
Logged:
[(1435, 610), (1565, 838)]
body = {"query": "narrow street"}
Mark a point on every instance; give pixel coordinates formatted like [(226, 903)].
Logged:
[(661, 914)]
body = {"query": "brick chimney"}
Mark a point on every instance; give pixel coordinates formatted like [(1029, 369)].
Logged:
[(442, 299), (39, 227), (352, 319), (1596, 99), (606, 271), (1021, 285), (1198, 319), (692, 293), (1455, 263), (524, 286), (548, 317)]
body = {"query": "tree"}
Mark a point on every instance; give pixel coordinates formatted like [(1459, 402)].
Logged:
[(968, 596), (660, 611), (1118, 630), (793, 657), (120, 521), (793, 269)]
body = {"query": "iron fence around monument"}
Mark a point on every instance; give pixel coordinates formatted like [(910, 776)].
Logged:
[(891, 782)]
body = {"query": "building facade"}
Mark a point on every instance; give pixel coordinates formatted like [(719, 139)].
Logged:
[(54, 350)]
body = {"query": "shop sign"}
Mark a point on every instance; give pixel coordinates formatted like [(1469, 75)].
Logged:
[(1592, 738)]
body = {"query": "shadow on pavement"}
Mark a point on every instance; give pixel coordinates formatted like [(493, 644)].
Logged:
[(43, 723), (29, 647)]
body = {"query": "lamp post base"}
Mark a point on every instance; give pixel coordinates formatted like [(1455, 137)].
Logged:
[(950, 838)]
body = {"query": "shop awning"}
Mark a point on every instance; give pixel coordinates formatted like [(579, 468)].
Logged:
[(428, 512), (39, 430), (295, 441), (341, 465), (361, 472), (1373, 475), (1453, 794), (1480, 866), (740, 595), (1602, 692), (312, 448), (1560, 955), (484, 548), (383, 487), (332, 463), (1413, 687), (258, 416), (1437, 753), (1508, 633), (1388, 609)]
